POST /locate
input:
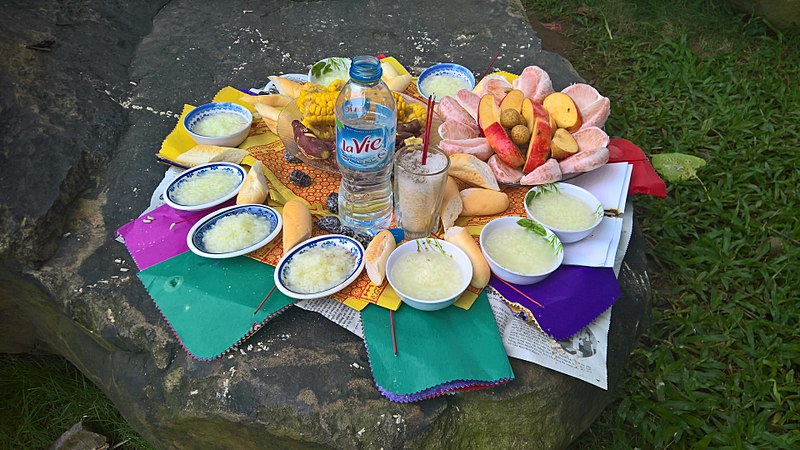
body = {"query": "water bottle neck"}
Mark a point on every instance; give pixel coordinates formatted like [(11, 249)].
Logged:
[(366, 70), (365, 84)]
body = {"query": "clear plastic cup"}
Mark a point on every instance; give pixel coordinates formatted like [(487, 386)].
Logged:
[(418, 189)]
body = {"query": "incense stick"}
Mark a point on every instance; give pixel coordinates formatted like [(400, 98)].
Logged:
[(265, 300), (520, 292), (172, 225), (394, 337), (485, 72), (426, 138)]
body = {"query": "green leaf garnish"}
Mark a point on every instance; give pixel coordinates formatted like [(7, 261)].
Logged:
[(537, 228), (539, 190), (531, 225), (431, 245), (323, 67)]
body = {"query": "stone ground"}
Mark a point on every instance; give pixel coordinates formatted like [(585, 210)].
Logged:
[(89, 90)]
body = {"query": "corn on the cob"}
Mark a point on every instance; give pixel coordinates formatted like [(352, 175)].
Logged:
[(316, 103), (317, 108), (416, 111), (408, 112)]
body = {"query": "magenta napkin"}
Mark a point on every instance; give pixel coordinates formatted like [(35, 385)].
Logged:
[(161, 234), (571, 298)]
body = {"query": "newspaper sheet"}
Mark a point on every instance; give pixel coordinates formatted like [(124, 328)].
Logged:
[(583, 356), (337, 312)]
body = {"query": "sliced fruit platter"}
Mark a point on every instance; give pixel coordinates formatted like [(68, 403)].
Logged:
[(526, 132)]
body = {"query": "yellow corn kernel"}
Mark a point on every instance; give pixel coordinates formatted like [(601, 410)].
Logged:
[(317, 108), (336, 86)]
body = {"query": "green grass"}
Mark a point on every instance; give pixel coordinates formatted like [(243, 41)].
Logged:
[(717, 368), (43, 396)]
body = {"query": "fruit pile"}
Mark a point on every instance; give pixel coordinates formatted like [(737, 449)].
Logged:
[(526, 132)]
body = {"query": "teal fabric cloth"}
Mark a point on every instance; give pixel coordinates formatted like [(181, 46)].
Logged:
[(434, 350), (209, 303)]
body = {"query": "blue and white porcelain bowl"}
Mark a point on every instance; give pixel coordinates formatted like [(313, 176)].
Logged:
[(199, 171), (349, 244), (195, 238), (445, 69), (210, 109)]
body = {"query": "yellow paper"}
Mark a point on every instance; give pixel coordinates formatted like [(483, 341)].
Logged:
[(232, 95), (178, 141), (468, 298)]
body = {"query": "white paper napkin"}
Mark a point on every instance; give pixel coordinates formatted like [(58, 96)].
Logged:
[(610, 185), (599, 248)]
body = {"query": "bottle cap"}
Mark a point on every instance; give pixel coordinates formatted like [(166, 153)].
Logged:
[(366, 69)]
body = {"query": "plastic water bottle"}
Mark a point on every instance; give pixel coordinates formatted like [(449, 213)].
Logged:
[(366, 123)]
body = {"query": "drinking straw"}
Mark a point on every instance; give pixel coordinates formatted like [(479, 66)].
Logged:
[(485, 72), (264, 301), (427, 135), (520, 292), (394, 337)]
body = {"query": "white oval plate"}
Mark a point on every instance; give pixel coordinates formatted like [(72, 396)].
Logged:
[(169, 192), (195, 237), (270, 87), (352, 245)]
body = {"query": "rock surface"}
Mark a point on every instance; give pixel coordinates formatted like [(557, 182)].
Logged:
[(81, 123), (782, 14)]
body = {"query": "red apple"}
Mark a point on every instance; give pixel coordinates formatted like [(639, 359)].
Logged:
[(488, 112), (503, 146), (563, 145), (527, 113), (539, 147), (513, 100), (564, 111)]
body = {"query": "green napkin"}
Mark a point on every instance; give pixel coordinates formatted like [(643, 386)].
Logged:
[(209, 303), (437, 351)]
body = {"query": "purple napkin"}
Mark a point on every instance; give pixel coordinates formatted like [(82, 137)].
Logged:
[(571, 298), (152, 238)]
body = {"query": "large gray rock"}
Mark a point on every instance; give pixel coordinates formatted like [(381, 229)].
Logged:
[(782, 14), (298, 386)]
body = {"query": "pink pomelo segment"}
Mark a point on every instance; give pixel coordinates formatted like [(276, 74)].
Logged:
[(535, 83)]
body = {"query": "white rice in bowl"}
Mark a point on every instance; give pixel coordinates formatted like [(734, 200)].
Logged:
[(319, 268), (235, 232)]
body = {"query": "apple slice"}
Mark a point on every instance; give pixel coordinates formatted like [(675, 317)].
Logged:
[(539, 147), (513, 100), (563, 109), (488, 112), (527, 112), (553, 126), (503, 146), (563, 145)]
